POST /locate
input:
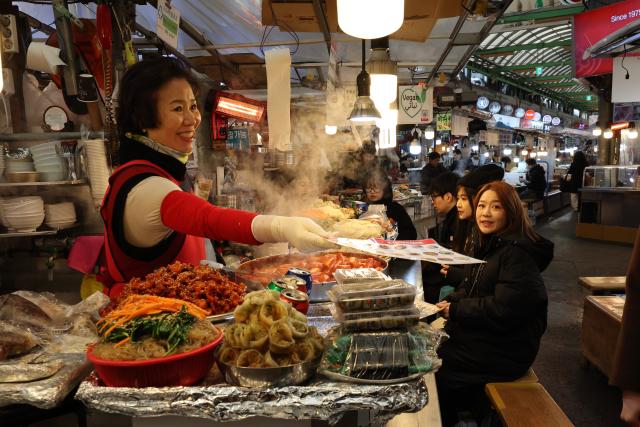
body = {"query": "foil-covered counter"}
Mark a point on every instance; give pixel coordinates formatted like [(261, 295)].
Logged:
[(49, 392), (321, 399)]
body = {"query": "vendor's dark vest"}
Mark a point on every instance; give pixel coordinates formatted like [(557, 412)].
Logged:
[(123, 260)]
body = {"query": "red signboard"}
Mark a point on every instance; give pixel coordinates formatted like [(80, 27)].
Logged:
[(529, 114), (592, 26)]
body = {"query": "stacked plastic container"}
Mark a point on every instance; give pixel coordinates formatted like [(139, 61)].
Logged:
[(379, 339)]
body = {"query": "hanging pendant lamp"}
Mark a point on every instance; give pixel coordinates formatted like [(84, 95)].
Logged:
[(370, 19), (383, 72), (364, 109)]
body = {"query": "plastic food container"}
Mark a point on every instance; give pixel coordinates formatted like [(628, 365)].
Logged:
[(383, 320), (376, 295), (177, 370), (355, 275)]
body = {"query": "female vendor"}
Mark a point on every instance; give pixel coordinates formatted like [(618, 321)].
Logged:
[(149, 221), (499, 313), (378, 190)]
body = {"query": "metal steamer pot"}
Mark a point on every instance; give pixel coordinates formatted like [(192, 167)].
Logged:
[(249, 272)]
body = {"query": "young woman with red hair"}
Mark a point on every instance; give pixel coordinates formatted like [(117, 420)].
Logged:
[(498, 314)]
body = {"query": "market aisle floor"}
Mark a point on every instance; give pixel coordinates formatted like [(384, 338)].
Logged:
[(583, 394)]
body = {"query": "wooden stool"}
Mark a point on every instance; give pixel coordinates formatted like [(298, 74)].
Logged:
[(603, 285), (525, 404), (529, 377)]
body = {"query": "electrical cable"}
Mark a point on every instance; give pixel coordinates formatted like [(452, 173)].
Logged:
[(624, 55)]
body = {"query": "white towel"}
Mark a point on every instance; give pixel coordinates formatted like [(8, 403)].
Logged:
[(278, 63)]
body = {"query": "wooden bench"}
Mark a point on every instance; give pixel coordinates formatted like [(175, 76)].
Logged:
[(525, 404), (601, 324), (603, 285)]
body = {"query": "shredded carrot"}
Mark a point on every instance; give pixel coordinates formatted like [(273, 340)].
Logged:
[(124, 341), (144, 305)]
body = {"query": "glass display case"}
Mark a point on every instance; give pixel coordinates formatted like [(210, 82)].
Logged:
[(611, 177)]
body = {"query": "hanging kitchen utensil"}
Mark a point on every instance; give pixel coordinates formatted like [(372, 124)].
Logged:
[(104, 27)]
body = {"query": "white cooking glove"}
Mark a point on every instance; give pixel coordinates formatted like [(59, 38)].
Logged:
[(301, 232)]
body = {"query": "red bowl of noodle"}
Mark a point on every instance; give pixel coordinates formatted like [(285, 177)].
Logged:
[(182, 369)]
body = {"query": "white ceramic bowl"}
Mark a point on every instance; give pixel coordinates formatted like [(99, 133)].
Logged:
[(22, 224)]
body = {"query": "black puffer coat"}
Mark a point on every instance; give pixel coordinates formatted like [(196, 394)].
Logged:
[(498, 314)]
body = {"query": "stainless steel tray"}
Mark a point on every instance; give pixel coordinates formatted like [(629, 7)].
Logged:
[(249, 272), (346, 379)]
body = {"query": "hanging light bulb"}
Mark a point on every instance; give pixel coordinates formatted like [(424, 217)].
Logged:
[(533, 154), (370, 19), (608, 133), (595, 149), (474, 148), (624, 132), (543, 153), (364, 109), (506, 151), (524, 152), (330, 129), (387, 125), (429, 133), (383, 73), (415, 148), (486, 154), (438, 141), (516, 159), (597, 131), (633, 132)]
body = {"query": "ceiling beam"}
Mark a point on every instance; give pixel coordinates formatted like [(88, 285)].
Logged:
[(516, 48), (322, 20), (552, 77), (534, 65), (561, 84), (542, 14)]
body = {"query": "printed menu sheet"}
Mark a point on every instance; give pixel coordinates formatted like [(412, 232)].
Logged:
[(424, 250)]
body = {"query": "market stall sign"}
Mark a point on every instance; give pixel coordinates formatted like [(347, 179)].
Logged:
[(519, 113), (556, 121), (415, 104), (546, 119), (509, 121), (529, 114), (238, 139), (593, 29), (531, 124), (443, 121), (168, 23)]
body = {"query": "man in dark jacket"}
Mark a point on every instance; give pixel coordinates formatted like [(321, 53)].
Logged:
[(443, 196), (536, 180), (432, 169)]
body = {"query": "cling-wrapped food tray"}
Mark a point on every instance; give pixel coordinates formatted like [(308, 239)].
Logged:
[(373, 295)]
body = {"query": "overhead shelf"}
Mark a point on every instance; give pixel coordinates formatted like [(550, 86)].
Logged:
[(41, 184), (8, 234)]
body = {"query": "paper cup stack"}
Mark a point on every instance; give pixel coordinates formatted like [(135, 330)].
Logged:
[(60, 215), (22, 214), (97, 168), (47, 161)]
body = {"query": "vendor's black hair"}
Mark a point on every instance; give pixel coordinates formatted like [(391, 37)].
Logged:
[(532, 162), (433, 155), (138, 92), (382, 181)]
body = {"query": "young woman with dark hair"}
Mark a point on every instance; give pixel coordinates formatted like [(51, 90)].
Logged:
[(498, 315), (149, 221), (378, 190)]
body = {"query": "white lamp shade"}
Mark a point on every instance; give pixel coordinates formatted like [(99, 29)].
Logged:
[(533, 154), (506, 151), (370, 19), (633, 134), (524, 152), (384, 89), (387, 125), (415, 148), (330, 129), (596, 131), (608, 134)]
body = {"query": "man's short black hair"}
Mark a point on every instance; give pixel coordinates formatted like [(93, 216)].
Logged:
[(457, 151), (137, 99), (532, 162), (433, 155), (444, 183)]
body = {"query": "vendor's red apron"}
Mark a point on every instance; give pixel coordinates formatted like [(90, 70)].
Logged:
[(121, 267)]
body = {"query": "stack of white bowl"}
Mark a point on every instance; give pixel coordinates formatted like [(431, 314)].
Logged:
[(48, 162), (22, 165), (2, 164), (60, 215), (23, 214), (97, 168)]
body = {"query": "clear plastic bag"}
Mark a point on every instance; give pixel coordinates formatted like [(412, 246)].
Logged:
[(381, 356)]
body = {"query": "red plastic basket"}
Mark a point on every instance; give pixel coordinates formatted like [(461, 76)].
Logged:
[(177, 370)]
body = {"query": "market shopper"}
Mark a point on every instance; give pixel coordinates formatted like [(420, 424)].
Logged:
[(626, 369), (459, 164), (572, 181), (149, 221), (536, 180), (378, 190), (442, 191), (498, 315), (430, 171)]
